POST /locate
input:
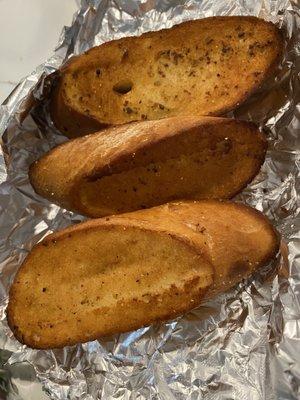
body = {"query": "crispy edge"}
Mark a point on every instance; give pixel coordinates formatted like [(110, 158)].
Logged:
[(61, 111), (67, 120), (268, 73), (92, 223), (83, 228), (269, 257), (71, 197)]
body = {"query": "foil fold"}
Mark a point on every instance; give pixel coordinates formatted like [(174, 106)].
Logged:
[(241, 345)]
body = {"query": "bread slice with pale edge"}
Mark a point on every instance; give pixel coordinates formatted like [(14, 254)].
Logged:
[(148, 163), (116, 274), (202, 67)]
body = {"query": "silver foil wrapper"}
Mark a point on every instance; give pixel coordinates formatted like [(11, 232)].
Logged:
[(244, 344)]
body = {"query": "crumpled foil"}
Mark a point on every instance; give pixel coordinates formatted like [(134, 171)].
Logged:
[(244, 344)]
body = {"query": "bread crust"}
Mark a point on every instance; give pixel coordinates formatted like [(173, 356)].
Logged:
[(227, 241), (228, 59), (148, 163)]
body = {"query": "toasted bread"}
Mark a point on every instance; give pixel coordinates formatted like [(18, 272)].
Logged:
[(116, 274), (202, 67), (148, 163)]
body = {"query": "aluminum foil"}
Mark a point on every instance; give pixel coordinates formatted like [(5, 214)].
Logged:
[(244, 344)]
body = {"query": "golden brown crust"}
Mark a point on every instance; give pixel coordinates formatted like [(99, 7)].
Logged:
[(144, 164), (69, 120), (228, 58), (269, 72), (212, 213), (215, 244)]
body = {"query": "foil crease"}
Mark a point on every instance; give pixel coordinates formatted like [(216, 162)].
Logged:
[(244, 344)]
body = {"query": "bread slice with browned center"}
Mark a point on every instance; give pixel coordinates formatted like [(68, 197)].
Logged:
[(148, 163), (202, 67), (116, 274)]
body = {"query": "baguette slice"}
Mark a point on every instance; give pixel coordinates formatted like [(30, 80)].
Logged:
[(116, 274), (202, 67), (148, 163)]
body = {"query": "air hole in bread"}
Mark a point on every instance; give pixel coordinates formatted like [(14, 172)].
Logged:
[(123, 87)]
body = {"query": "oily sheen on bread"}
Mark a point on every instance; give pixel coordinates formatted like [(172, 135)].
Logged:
[(148, 163), (201, 67), (116, 274)]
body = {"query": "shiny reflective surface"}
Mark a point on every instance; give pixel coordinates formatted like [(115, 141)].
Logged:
[(242, 345)]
